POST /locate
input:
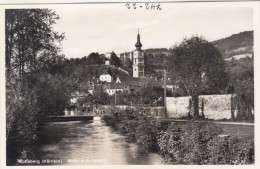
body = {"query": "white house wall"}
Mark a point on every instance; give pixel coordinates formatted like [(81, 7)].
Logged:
[(112, 91)]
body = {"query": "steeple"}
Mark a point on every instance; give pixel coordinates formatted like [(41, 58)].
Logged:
[(138, 44)]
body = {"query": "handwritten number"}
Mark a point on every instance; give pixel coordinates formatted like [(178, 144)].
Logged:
[(134, 5), (147, 5), (127, 5)]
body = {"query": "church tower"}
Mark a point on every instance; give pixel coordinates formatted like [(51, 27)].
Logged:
[(138, 59)]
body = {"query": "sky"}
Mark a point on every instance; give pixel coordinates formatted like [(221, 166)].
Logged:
[(112, 27)]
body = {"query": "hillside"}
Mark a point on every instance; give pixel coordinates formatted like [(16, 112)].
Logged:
[(156, 51), (237, 44)]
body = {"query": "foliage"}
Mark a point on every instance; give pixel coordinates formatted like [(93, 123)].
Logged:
[(198, 66), (53, 93), (150, 65), (182, 143), (127, 64), (30, 39), (125, 98), (137, 125), (148, 95), (35, 87), (202, 143), (186, 143), (241, 74), (231, 150), (100, 97), (21, 116), (95, 59), (114, 60)]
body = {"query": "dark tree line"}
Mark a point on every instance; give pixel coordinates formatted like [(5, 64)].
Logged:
[(35, 85)]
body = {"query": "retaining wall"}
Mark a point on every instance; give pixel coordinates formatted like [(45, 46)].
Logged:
[(215, 106)]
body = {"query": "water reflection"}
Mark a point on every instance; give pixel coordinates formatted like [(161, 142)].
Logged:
[(89, 143)]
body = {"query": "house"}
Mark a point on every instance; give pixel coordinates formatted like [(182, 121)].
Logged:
[(108, 54), (107, 62), (126, 55), (131, 84), (112, 88), (90, 88), (105, 77)]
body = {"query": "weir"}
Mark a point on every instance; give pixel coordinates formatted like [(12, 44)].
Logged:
[(68, 118)]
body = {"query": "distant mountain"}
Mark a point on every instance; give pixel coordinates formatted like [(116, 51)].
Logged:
[(236, 45), (156, 51)]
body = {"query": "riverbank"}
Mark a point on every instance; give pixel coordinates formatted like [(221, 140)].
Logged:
[(183, 143)]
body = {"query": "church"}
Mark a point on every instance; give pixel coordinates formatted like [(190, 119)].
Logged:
[(138, 59)]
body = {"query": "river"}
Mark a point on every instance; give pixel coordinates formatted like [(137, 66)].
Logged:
[(88, 142)]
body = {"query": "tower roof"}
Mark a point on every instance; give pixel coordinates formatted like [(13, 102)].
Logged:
[(138, 44)]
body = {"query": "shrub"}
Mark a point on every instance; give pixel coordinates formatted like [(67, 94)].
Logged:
[(137, 125), (147, 132), (183, 143), (186, 143), (231, 150)]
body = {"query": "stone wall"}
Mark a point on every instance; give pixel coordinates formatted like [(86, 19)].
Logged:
[(177, 107), (215, 106)]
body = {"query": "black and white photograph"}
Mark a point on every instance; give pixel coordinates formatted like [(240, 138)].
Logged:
[(129, 83)]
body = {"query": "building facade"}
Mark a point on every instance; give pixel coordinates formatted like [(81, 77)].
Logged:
[(105, 77)]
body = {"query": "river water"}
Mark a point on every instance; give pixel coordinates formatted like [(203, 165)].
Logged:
[(91, 142)]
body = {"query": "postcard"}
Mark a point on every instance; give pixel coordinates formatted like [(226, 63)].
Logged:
[(120, 84)]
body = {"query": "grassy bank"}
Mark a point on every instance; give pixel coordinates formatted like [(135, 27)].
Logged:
[(183, 143)]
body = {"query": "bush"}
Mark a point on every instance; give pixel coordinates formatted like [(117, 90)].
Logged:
[(183, 143), (137, 125), (231, 150), (186, 143), (201, 143)]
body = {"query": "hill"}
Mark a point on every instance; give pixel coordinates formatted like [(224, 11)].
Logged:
[(156, 51), (237, 44)]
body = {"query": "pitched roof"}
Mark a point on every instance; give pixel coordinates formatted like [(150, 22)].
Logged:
[(135, 81), (114, 86), (105, 73)]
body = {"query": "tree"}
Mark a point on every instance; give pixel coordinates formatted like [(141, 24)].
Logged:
[(100, 96), (94, 58), (127, 64), (114, 60), (30, 39), (34, 85), (241, 74), (198, 66)]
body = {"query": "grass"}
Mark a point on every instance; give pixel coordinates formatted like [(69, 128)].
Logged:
[(235, 130), (231, 129)]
